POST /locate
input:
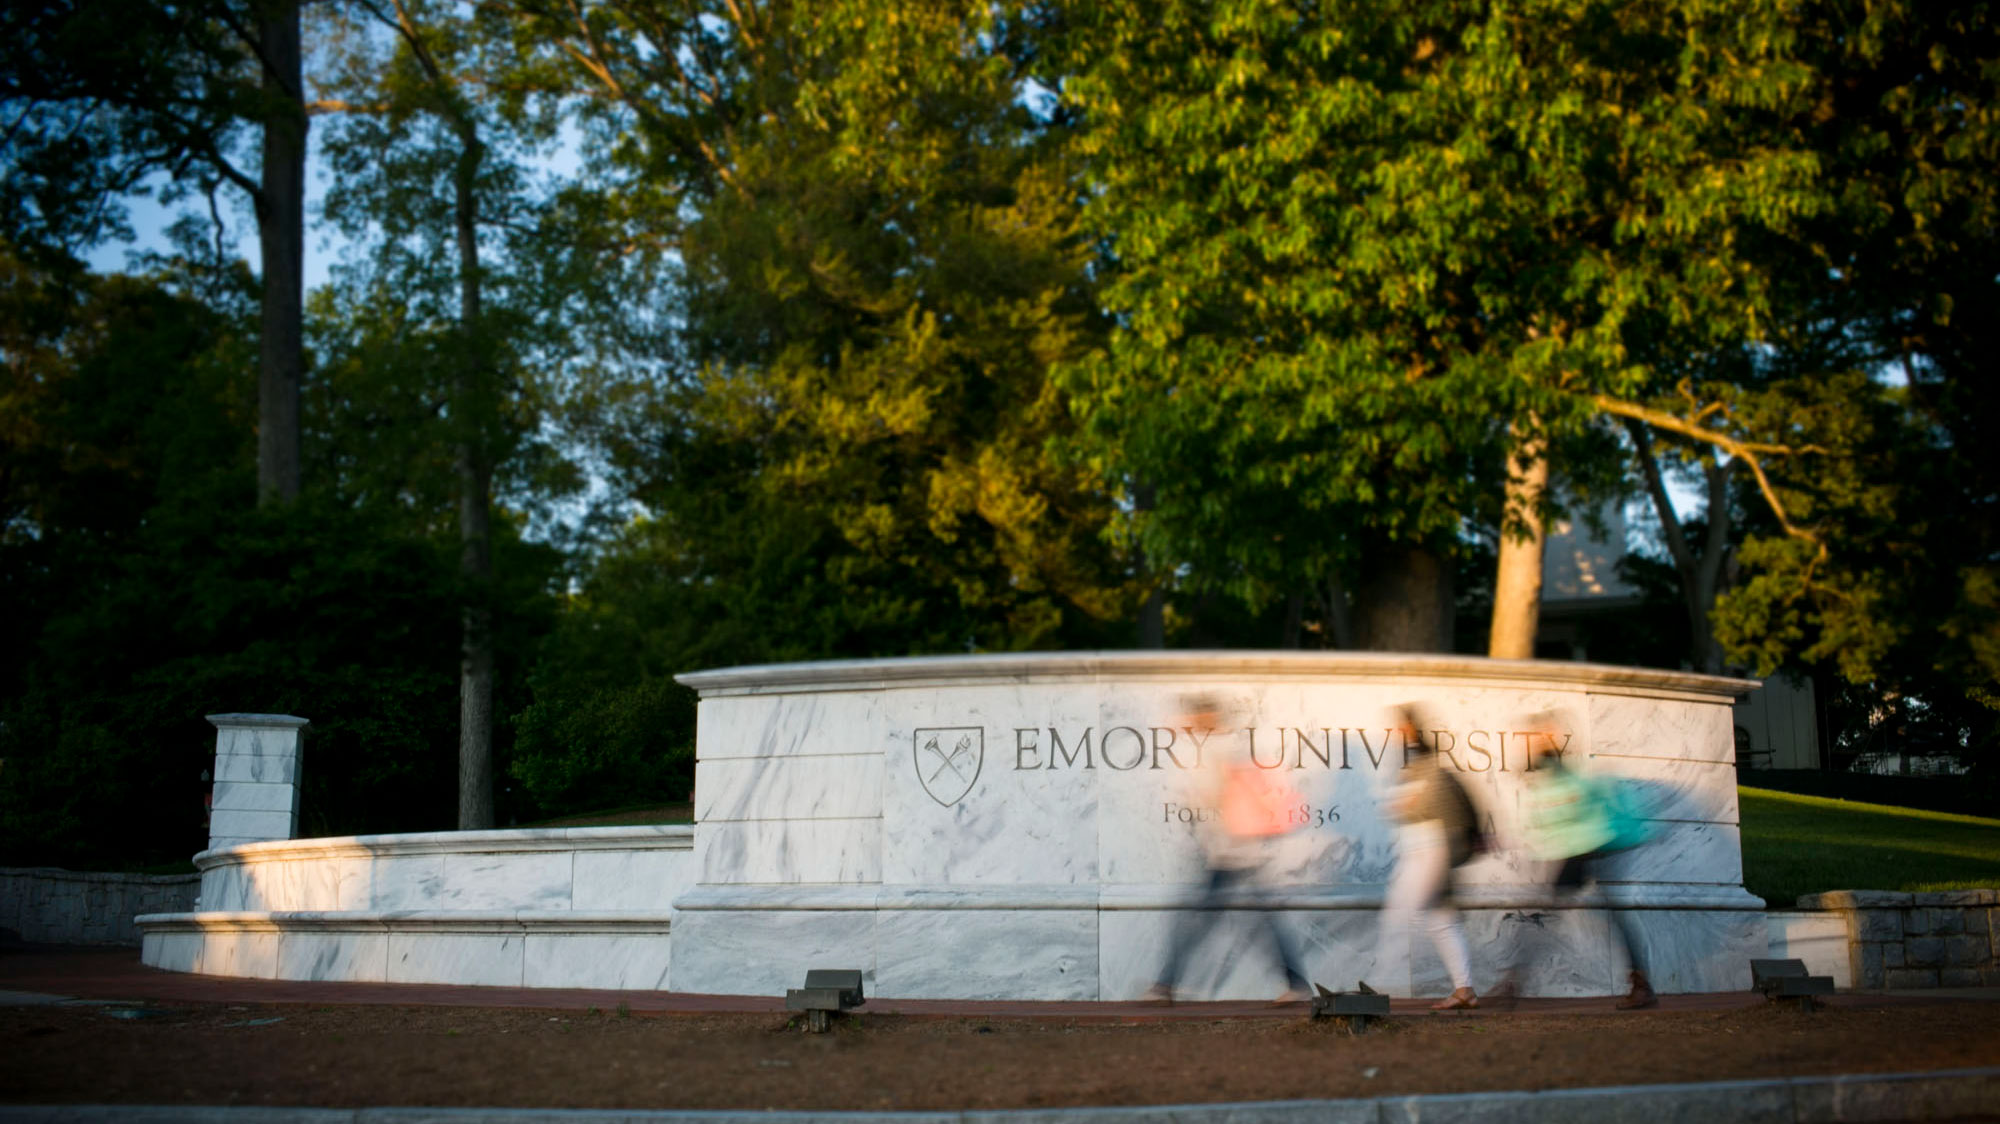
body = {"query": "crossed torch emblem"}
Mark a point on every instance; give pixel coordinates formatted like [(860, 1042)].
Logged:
[(948, 774)]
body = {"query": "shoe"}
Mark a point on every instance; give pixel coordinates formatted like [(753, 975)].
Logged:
[(1362, 987), (1641, 994), (1159, 995), (1464, 999)]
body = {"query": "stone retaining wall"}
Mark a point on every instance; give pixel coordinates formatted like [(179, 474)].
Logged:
[(1941, 939), (51, 906)]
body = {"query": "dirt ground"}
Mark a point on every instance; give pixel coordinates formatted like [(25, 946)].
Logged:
[(352, 1055)]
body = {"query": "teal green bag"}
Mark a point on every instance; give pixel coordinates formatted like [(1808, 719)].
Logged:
[(1567, 816), (1624, 815)]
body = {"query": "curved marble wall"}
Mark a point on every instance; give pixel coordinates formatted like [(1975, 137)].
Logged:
[(564, 907), (1018, 826)]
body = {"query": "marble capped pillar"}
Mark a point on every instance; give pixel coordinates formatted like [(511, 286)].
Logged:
[(256, 793), (1022, 826)]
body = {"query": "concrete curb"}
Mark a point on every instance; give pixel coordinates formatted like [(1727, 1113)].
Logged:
[(1842, 1099)]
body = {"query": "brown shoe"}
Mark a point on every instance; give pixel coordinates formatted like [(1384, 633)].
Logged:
[(1159, 995), (1641, 994), (1461, 1000)]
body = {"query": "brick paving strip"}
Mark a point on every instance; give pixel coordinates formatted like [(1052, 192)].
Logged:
[(33, 976), (117, 974), (1967, 1094)]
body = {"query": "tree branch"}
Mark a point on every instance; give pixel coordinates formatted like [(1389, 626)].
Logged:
[(742, 25), (595, 62), (1749, 452), (205, 147), (1663, 503), (323, 106)]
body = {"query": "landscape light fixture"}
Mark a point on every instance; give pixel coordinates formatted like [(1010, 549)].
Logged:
[(1357, 1007), (828, 992), (1787, 979)]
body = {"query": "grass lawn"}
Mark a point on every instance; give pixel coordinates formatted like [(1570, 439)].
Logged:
[(1795, 845)]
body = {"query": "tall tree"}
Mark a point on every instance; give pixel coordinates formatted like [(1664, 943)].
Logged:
[(430, 172), (880, 262), (100, 96), (280, 201), (1898, 588), (1392, 262)]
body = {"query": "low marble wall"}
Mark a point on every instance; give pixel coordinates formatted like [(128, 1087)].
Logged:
[(560, 907), (1022, 826), (1068, 946), (641, 868), (1923, 940), (50, 906), (620, 950), (1817, 938)]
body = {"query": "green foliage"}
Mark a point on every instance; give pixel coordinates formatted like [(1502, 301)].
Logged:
[(595, 749), (1795, 845), (1897, 591), (101, 95), (854, 450), (147, 591), (423, 354), (879, 349), (1350, 249), (876, 308), (885, 265)]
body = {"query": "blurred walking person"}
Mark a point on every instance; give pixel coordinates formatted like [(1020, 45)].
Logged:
[(1251, 807), (1574, 823), (1440, 833)]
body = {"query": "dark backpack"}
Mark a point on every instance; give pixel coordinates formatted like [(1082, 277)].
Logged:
[(1467, 836)]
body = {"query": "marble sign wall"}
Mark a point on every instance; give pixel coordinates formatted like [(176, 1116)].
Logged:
[(1025, 826)]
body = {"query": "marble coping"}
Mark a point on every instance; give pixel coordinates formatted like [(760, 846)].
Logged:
[(796, 897), (270, 721), (639, 837), (1193, 666), (376, 921)]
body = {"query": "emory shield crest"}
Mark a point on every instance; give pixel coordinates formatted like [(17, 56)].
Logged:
[(948, 760)]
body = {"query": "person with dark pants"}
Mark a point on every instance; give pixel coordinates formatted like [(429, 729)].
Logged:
[(1577, 824), (1216, 895), (1248, 808), (1580, 872)]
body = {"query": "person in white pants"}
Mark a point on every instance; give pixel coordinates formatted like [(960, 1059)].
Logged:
[(1439, 833)]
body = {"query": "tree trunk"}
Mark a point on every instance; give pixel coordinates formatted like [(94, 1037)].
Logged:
[(1153, 620), (1405, 602), (281, 227), (1295, 619), (1153, 610), (1517, 586), (1707, 654), (475, 510), (1700, 577), (1338, 613), (475, 679)]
